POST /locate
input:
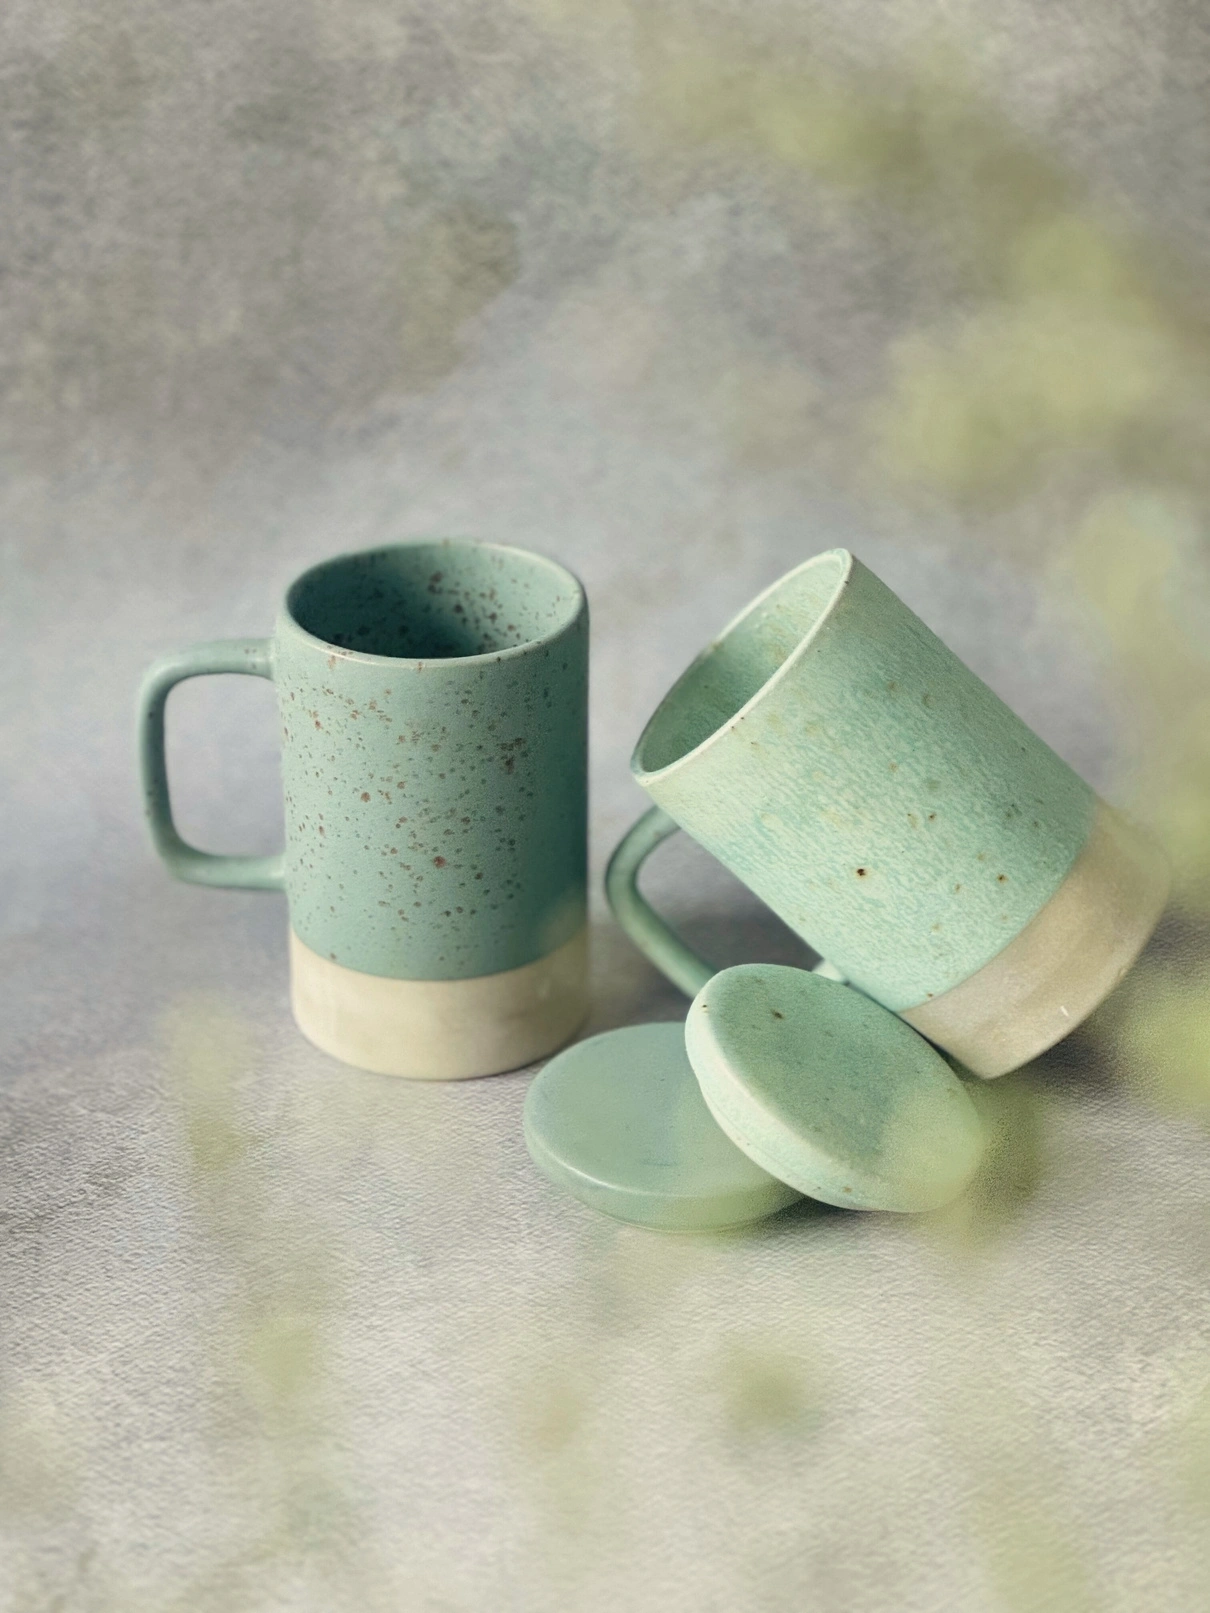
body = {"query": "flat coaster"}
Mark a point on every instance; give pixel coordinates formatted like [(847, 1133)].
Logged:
[(619, 1120), (831, 1092)]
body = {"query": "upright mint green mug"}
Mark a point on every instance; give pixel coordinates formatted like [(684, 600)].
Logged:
[(433, 701), (831, 752)]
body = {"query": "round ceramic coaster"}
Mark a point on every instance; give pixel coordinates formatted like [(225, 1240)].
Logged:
[(831, 1092), (619, 1120)]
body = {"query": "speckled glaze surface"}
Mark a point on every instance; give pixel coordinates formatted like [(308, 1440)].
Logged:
[(842, 762), (433, 699), (434, 758)]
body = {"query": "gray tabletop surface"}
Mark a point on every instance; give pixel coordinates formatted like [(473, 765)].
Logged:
[(279, 281)]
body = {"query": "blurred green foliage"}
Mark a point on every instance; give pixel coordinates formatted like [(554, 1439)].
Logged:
[(1058, 407)]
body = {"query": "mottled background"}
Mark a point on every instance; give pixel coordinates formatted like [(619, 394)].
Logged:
[(678, 293)]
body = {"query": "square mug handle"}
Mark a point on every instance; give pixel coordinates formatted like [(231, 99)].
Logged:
[(653, 937), (253, 656)]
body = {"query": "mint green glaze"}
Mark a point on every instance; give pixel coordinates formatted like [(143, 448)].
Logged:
[(620, 1122), (829, 1092), (433, 699), (653, 936), (251, 655), (879, 797), (638, 918)]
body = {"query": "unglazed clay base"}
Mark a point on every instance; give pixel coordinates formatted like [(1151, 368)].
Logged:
[(441, 1030), (1065, 961)]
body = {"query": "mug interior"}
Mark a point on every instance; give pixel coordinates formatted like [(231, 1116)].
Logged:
[(741, 661), (435, 601)]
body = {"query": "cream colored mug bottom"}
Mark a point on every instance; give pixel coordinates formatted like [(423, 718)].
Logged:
[(1066, 960), (441, 1030)]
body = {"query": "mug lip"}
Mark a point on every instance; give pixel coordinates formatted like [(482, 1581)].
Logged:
[(648, 776), (579, 602)]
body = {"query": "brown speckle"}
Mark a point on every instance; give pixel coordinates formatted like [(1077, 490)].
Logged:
[(862, 872), (777, 1014), (1003, 878), (365, 795), (438, 862)]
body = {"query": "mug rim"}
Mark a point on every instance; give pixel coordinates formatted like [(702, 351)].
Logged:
[(647, 776), (578, 603)]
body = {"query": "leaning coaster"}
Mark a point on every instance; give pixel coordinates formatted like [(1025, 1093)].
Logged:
[(829, 1091), (619, 1120)]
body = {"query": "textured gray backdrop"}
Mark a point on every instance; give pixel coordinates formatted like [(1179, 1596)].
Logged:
[(630, 285)]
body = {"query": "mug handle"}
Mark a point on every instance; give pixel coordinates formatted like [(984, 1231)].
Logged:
[(251, 655), (643, 924)]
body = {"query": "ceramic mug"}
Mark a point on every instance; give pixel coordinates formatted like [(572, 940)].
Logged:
[(433, 700), (831, 752)]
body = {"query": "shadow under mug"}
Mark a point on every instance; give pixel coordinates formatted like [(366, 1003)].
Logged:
[(831, 752), (433, 702)]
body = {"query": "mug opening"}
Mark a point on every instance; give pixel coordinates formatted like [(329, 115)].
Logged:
[(747, 655), (448, 599)]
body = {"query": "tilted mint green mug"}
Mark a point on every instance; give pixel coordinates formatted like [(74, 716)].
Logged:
[(433, 700), (831, 752)]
